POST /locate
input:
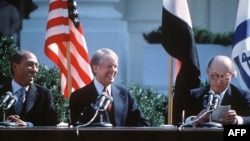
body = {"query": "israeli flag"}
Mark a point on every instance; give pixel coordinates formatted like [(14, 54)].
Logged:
[(241, 44)]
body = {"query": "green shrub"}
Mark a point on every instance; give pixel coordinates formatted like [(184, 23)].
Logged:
[(50, 78), (7, 47), (152, 104), (202, 36)]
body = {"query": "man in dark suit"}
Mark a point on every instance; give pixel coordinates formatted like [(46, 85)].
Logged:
[(220, 71), (37, 102), (124, 109)]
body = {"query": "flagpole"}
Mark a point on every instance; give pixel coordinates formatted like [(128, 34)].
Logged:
[(170, 92), (69, 81)]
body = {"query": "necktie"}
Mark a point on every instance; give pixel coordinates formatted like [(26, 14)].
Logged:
[(18, 106), (105, 89)]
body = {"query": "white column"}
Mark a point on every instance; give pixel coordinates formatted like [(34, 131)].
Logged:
[(102, 23)]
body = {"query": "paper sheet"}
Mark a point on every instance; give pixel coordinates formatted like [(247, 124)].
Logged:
[(218, 112)]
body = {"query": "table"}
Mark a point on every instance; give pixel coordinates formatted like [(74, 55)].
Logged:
[(110, 133)]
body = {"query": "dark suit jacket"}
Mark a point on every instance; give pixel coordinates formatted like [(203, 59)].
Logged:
[(239, 100), (38, 106), (125, 111)]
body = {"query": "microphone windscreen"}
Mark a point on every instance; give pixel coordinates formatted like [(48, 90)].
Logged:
[(9, 93), (205, 100), (216, 101), (209, 101), (5, 98), (15, 97), (105, 93), (110, 98)]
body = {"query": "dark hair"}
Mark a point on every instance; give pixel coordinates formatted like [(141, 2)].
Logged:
[(16, 58), (210, 62)]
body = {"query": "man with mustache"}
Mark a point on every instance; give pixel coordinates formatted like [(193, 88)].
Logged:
[(36, 106)]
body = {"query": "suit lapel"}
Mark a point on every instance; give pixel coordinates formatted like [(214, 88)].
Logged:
[(118, 104), (31, 97), (226, 98)]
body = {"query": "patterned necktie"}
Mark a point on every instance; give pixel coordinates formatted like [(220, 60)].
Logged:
[(105, 89), (19, 104)]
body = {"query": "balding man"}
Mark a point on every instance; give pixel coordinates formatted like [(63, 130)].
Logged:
[(220, 72)]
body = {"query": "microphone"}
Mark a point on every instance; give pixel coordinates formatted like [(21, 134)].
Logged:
[(5, 98), (100, 100), (205, 100), (11, 102), (109, 99), (209, 101), (216, 100)]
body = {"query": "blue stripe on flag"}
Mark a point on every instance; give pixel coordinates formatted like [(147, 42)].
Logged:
[(244, 75), (241, 32)]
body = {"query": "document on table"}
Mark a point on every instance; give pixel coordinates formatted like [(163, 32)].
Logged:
[(218, 112)]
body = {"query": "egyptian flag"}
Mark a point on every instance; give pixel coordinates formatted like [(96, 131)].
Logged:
[(178, 40)]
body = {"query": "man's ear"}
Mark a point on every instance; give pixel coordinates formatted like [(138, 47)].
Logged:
[(94, 68), (207, 71), (234, 74)]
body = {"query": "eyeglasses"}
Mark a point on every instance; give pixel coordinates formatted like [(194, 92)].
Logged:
[(225, 77)]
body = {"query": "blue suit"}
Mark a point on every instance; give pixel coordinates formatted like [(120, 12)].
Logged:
[(239, 100), (125, 110)]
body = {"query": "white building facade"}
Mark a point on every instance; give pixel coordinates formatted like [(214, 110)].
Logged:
[(119, 25)]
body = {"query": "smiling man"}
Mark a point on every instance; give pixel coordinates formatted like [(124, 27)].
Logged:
[(34, 104), (123, 110)]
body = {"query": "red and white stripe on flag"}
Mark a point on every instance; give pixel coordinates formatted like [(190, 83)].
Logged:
[(64, 31)]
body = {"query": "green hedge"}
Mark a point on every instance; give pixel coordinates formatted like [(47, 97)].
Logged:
[(153, 104), (202, 36)]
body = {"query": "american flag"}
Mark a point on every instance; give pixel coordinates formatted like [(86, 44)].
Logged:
[(65, 45)]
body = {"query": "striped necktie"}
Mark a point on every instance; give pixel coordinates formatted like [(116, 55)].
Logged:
[(18, 106), (105, 89)]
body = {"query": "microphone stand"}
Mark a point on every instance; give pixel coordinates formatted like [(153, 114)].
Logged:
[(210, 123), (101, 123), (5, 122), (209, 109)]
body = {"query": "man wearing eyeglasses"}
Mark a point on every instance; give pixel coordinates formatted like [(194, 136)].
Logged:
[(218, 92)]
